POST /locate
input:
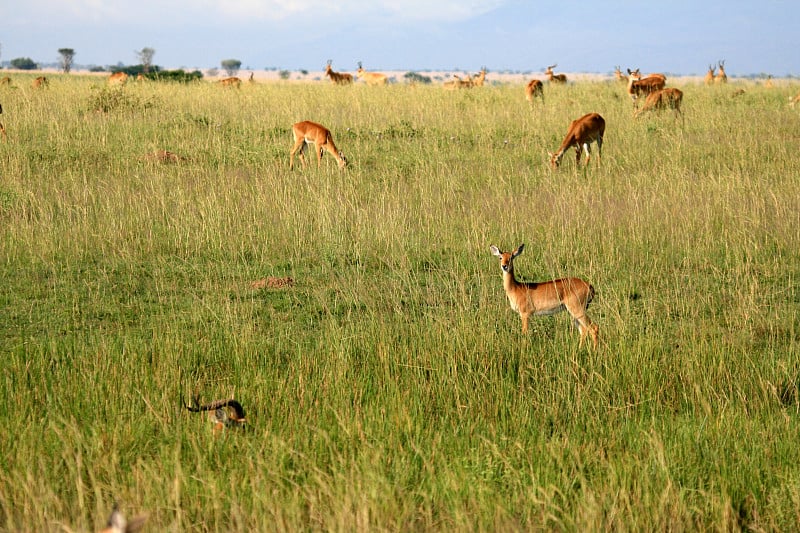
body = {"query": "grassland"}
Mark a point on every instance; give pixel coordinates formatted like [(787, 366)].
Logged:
[(391, 388)]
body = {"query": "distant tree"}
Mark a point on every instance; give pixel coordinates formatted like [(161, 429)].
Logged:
[(284, 74), (212, 72), (231, 66), (67, 56), (24, 63), (414, 77), (145, 56)]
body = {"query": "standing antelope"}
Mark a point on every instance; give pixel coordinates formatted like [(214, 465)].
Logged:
[(372, 78), (308, 132), (620, 76), (638, 86), (231, 82), (721, 77), (533, 89), (548, 297), (479, 78), (709, 79), (669, 98), (338, 78), (40, 82), (768, 83), (555, 78), (581, 134)]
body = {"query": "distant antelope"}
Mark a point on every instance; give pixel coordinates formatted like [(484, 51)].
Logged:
[(458, 83), (619, 76), (581, 134), (118, 524), (308, 132), (40, 82), (533, 89), (548, 297), (372, 78), (768, 83), (231, 82), (721, 77), (555, 78), (117, 78), (669, 98), (5, 80), (793, 101), (338, 78), (638, 86), (252, 78), (709, 79), (478, 79), (223, 414)]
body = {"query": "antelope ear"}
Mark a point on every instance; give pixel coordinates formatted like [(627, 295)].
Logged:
[(495, 250), (517, 251)]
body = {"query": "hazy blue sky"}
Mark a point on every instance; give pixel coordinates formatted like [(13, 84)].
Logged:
[(679, 37)]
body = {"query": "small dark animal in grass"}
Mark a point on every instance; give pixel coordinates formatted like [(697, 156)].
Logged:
[(223, 414)]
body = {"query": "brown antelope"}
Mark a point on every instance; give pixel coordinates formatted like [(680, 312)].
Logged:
[(5, 80), (40, 82), (638, 86), (709, 79), (231, 82), (721, 77), (372, 78), (117, 78), (308, 132), (555, 78), (533, 89), (223, 414), (338, 78), (458, 83), (669, 98), (548, 297), (793, 101), (619, 76), (581, 134), (140, 77), (118, 524), (768, 83), (479, 78)]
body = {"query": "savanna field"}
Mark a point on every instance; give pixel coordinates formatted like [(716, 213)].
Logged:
[(388, 386)]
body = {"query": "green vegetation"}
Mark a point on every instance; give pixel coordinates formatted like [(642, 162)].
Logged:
[(390, 387)]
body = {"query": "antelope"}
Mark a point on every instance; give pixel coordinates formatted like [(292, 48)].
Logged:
[(555, 78), (372, 78), (581, 134), (619, 75), (479, 78), (252, 78), (140, 77), (5, 80), (338, 78), (533, 89), (793, 101), (547, 297), (709, 79), (40, 82), (308, 132), (231, 82), (118, 524), (669, 98), (118, 78), (643, 86), (223, 414), (768, 83), (458, 83), (721, 77)]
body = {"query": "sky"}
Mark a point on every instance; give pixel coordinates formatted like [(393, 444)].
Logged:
[(681, 37)]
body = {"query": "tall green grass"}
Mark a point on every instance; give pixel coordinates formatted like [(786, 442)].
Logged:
[(391, 388)]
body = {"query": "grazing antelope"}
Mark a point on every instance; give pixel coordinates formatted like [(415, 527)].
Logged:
[(308, 132), (479, 78), (372, 78), (458, 83), (581, 134), (721, 77), (223, 414), (231, 82), (638, 86), (555, 78), (619, 75), (533, 89), (117, 78), (669, 98), (5, 80), (40, 82), (548, 297), (709, 79), (118, 524), (338, 78)]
